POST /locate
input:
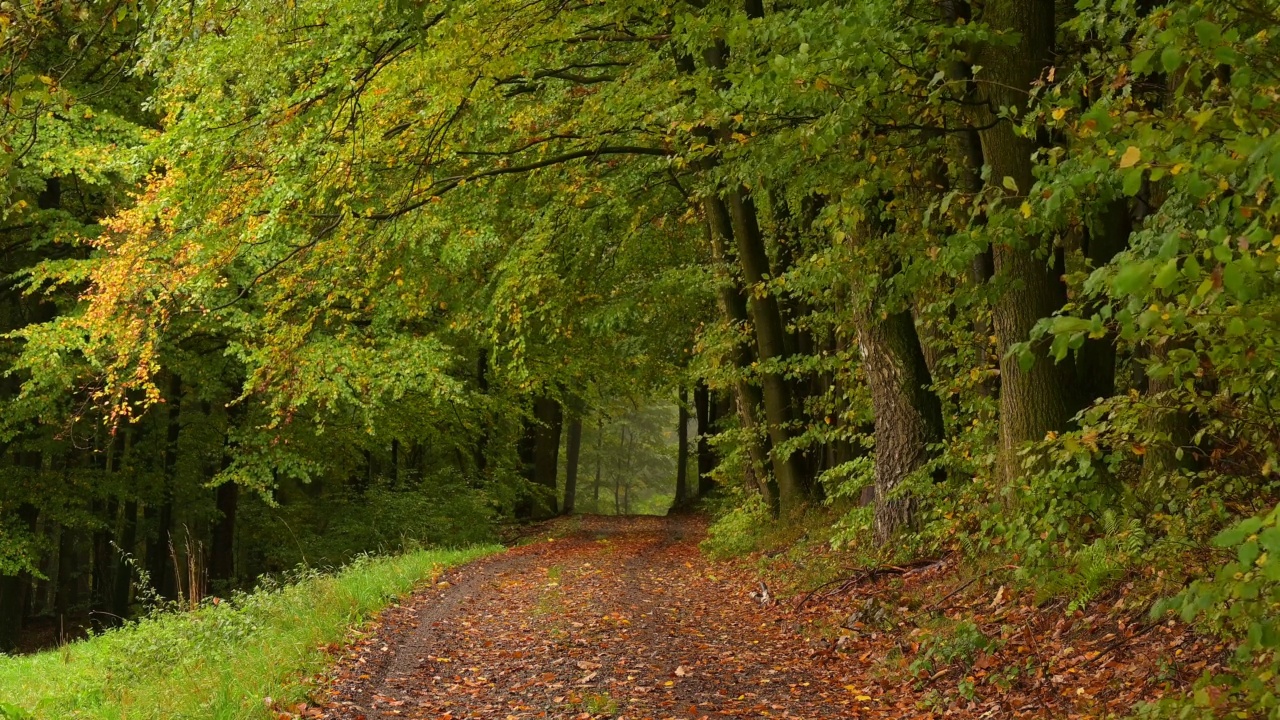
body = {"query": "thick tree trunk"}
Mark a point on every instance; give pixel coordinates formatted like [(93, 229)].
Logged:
[(908, 415), (572, 452), (1043, 397)]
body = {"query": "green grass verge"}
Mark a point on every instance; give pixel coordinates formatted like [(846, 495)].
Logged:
[(217, 662)]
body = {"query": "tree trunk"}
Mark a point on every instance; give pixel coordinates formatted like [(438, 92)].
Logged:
[(539, 452), (103, 563), (733, 306), (704, 411), (572, 451), (1096, 361), (908, 415), (482, 442), (127, 550), (1041, 398), (14, 590), (158, 566), (682, 452), (222, 565), (789, 471), (595, 492)]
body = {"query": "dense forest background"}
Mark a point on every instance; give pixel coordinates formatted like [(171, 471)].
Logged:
[(287, 281)]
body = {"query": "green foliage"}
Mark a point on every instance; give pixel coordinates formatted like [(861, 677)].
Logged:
[(221, 660), (740, 529), (952, 643)]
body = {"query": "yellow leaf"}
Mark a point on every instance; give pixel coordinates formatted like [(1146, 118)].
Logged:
[(1059, 113), (1026, 209), (1130, 157)]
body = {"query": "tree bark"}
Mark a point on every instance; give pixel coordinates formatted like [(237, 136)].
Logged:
[(1096, 361), (222, 565), (733, 306), (14, 590), (682, 452), (1042, 398), (595, 492), (705, 412), (908, 415), (158, 566), (124, 572), (539, 452), (789, 470), (572, 452)]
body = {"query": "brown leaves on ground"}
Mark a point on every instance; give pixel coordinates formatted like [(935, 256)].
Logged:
[(624, 618)]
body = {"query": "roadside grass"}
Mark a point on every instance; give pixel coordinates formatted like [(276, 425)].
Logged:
[(221, 661)]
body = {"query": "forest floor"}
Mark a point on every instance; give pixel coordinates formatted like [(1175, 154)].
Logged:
[(625, 618)]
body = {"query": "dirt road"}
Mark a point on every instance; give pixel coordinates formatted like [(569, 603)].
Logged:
[(622, 618)]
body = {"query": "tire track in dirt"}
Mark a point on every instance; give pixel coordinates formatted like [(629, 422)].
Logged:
[(623, 618)]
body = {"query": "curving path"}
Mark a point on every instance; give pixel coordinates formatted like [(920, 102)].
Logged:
[(622, 618)]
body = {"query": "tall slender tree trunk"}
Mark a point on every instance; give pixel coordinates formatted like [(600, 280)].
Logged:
[(1096, 360), (682, 452), (733, 306), (14, 589), (572, 452), (539, 452), (222, 565), (128, 548), (595, 491), (158, 566), (705, 412), (482, 442), (1042, 398), (103, 564)]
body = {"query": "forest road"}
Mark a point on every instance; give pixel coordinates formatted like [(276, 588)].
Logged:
[(621, 618)]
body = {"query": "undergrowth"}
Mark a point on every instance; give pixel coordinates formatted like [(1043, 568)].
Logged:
[(221, 661)]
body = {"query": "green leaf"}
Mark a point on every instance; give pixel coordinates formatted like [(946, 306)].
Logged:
[(1132, 181), (1026, 359), (1233, 279), (1167, 275), (1142, 61), (1171, 58), (1208, 33), (1236, 535), (1009, 184), (1132, 279)]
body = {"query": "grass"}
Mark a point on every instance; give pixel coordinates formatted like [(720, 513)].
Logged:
[(219, 661)]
